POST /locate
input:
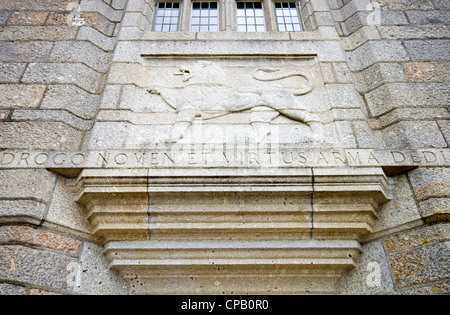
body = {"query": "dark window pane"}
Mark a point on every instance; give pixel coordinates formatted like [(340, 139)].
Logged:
[(288, 18), (250, 17), (167, 17), (204, 17)]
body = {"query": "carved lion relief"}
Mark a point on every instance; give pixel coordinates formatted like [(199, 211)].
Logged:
[(205, 92)]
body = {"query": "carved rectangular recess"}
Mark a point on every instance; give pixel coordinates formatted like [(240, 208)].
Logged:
[(233, 99)]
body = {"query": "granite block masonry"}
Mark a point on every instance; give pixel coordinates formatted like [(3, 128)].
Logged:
[(134, 161)]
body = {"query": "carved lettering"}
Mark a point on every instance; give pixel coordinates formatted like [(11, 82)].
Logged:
[(7, 158), (429, 156), (140, 159), (57, 160), (24, 157), (354, 159), (443, 155), (104, 157), (337, 158), (415, 157), (287, 160), (121, 159), (192, 160), (372, 157), (322, 158), (398, 157), (303, 158), (213, 157), (226, 158), (78, 159), (41, 158), (154, 158), (168, 157), (253, 158)]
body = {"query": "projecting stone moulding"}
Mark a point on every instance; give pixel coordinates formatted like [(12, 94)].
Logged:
[(217, 231)]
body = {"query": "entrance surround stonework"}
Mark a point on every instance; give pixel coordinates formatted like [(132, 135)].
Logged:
[(140, 162)]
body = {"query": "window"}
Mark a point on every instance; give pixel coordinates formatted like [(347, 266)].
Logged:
[(250, 17), (227, 15), (205, 17), (167, 17), (288, 19)]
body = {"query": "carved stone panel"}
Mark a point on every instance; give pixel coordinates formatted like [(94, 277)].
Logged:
[(233, 100)]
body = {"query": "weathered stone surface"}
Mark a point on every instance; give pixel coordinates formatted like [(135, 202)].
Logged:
[(406, 5), (428, 17), (42, 292), (409, 32), (39, 135), (28, 236), (36, 184), (445, 128), (441, 4), (414, 114), (109, 135), (442, 288), (4, 16), (428, 71), (25, 51), (37, 33), (60, 73), (53, 116), (11, 289), (416, 238), (4, 114), (421, 265), (11, 72), (22, 211), (376, 51), (96, 278), (84, 52), (377, 75), (430, 182), (35, 267), (27, 18), (63, 209), (92, 35), (72, 99), (428, 50), (35, 5), (21, 96), (432, 209), (384, 86), (401, 210), (414, 134), (397, 95), (111, 97), (371, 276), (343, 96)]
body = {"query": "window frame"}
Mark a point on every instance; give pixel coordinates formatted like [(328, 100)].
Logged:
[(256, 25), (189, 15), (227, 15), (180, 17), (275, 18)]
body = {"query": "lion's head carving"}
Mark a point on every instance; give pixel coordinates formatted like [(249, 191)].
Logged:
[(203, 72)]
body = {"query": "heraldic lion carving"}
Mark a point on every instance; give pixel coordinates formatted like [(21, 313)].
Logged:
[(205, 93)]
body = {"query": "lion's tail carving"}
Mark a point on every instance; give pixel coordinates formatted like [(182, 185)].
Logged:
[(273, 74)]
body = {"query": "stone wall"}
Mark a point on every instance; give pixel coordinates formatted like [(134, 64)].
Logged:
[(400, 67), (54, 56), (72, 79)]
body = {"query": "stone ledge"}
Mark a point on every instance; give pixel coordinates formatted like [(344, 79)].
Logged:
[(160, 225)]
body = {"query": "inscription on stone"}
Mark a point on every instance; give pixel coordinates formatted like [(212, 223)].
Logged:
[(216, 157)]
